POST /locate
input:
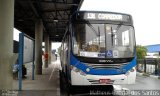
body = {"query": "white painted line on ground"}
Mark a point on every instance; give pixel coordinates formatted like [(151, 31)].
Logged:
[(117, 87), (58, 92), (52, 72)]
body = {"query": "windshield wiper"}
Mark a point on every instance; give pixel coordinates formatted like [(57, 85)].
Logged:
[(95, 31), (118, 27), (90, 25), (99, 35), (113, 34)]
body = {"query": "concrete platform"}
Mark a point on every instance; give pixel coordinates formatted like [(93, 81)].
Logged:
[(43, 85)]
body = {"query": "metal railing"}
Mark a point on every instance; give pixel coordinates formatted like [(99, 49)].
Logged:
[(149, 65)]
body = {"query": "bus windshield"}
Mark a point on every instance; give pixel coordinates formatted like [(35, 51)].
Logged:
[(103, 40)]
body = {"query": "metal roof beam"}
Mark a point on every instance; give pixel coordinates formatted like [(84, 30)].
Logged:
[(54, 10), (59, 20), (34, 9), (55, 1)]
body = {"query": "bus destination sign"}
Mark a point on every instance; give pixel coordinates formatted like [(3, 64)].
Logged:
[(106, 16)]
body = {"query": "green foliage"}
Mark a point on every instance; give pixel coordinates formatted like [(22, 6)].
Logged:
[(141, 51), (146, 74), (59, 50)]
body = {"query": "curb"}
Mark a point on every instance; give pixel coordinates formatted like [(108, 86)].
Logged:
[(152, 76)]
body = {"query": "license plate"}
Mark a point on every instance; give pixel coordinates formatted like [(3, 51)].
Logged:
[(104, 81)]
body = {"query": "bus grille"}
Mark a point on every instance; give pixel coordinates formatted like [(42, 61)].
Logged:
[(106, 66)]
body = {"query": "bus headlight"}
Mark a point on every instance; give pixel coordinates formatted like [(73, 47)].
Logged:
[(132, 70), (82, 73), (77, 70), (71, 67), (127, 73)]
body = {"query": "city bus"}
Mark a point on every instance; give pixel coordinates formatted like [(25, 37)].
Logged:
[(99, 48)]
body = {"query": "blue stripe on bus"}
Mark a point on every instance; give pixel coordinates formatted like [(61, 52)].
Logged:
[(75, 62)]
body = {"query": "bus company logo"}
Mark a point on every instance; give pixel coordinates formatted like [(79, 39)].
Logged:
[(102, 61)]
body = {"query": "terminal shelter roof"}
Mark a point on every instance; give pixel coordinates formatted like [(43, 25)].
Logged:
[(55, 15)]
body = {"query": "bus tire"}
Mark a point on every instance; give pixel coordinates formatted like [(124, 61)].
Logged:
[(61, 81)]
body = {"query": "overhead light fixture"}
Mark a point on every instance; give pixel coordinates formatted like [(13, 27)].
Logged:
[(57, 35), (55, 20), (20, 20)]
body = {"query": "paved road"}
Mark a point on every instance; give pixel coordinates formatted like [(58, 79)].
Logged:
[(144, 83)]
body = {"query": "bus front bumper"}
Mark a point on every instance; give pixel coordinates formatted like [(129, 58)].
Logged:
[(78, 79)]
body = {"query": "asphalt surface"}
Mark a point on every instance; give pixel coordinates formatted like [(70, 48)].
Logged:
[(144, 83)]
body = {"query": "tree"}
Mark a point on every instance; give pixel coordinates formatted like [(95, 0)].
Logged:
[(59, 50), (141, 52)]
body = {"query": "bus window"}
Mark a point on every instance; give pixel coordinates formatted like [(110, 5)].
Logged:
[(125, 38), (94, 40)]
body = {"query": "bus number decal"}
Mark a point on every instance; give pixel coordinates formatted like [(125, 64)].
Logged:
[(91, 16)]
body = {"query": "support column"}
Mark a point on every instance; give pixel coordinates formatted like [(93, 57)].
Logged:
[(50, 51), (38, 46), (46, 40), (6, 43)]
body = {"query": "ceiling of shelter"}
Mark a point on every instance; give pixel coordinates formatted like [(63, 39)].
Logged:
[(54, 14)]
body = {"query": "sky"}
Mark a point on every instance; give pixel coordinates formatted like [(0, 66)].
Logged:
[(16, 34), (145, 13)]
